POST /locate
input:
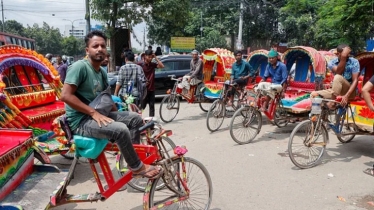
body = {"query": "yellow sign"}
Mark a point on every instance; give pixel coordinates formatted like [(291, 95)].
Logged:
[(182, 44)]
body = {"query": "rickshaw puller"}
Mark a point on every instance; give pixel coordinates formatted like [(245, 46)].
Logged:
[(278, 73)]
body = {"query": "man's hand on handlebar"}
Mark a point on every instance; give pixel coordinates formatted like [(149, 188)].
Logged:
[(101, 119)]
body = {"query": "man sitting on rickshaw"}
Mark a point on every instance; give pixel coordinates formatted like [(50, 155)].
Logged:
[(278, 73), (196, 73), (241, 72), (366, 93), (346, 70)]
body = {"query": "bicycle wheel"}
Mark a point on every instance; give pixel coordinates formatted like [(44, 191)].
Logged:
[(280, 117), (245, 124), (345, 135), (141, 183), (216, 115), (175, 195), (348, 129), (205, 103), (169, 108), (303, 151)]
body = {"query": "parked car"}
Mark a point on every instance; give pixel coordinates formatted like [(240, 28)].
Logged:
[(178, 65)]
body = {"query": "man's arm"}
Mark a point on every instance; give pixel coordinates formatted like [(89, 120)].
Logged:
[(266, 74), (198, 67), (251, 71), (366, 93), (68, 96), (119, 82), (284, 75), (160, 65), (343, 61)]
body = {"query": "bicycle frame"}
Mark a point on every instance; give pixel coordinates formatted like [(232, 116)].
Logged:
[(187, 97), (149, 154), (272, 106)]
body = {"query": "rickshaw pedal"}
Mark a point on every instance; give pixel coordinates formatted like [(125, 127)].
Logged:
[(106, 187), (369, 171)]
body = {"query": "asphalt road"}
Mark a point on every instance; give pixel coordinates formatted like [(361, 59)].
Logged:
[(258, 175)]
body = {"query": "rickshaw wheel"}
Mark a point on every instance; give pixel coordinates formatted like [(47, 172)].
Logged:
[(204, 102), (169, 108), (216, 115), (245, 124), (280, 117), (347, 128)]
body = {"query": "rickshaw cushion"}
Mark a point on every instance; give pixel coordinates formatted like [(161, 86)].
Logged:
[(89, 147), (302, 85)]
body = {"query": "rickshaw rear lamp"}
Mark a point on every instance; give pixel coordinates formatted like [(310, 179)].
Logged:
[(314, 118), (169, 133)]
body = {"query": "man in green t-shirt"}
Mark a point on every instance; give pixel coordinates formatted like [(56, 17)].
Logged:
[(85, 79)]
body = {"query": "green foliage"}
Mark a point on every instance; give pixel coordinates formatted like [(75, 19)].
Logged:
[(344, 21), (168, 18), (73, 46), (48, 39)]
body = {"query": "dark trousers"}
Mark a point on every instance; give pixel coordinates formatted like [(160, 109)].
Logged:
[(239, 83), (149, 99), (124, 130)]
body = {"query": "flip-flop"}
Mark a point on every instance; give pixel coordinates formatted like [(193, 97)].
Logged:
[(369, 171), (143, 174)]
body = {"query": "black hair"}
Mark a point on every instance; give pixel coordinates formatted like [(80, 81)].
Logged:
[(58, 56), (148, 52), (92, 34), (340, 47), (149, 47), (130, 56), (238, 52)]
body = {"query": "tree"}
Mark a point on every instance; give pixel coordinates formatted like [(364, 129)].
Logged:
[(168, 18), (344, 21), (72, 46), (119, 14), (298, 18), (47, 39), (14, 27)]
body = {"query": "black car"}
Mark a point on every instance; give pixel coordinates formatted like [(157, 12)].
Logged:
[(178, 65)]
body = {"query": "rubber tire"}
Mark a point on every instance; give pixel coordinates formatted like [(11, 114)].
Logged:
[(132, 183), (223, 107), (325, 140), (164, 103), (196, 163), (239, 113)]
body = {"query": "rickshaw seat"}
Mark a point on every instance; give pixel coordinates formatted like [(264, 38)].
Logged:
[(304, 86), (89, 147)]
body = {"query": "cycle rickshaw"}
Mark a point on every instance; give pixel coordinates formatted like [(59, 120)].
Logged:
[(308, 139), (219, 111), (217, 67), (289, 105)]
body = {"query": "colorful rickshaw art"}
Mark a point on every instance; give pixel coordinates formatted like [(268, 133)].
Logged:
[(217, 68), (258, 59), (363, 116), (29, 91), (307, 69)]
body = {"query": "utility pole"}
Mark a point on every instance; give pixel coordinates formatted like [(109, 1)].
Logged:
[(240, 34), (88, 17), (201, 24), (144, 40), (2, 12)]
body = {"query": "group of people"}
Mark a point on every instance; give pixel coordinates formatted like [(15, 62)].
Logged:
[(86, 78)]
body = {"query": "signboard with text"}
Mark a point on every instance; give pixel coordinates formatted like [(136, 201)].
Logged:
[(182, 44)]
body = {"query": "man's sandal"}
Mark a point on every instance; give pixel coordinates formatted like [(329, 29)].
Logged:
[(143, 174)]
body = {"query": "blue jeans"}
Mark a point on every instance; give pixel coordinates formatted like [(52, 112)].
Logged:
[(124, 131)]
